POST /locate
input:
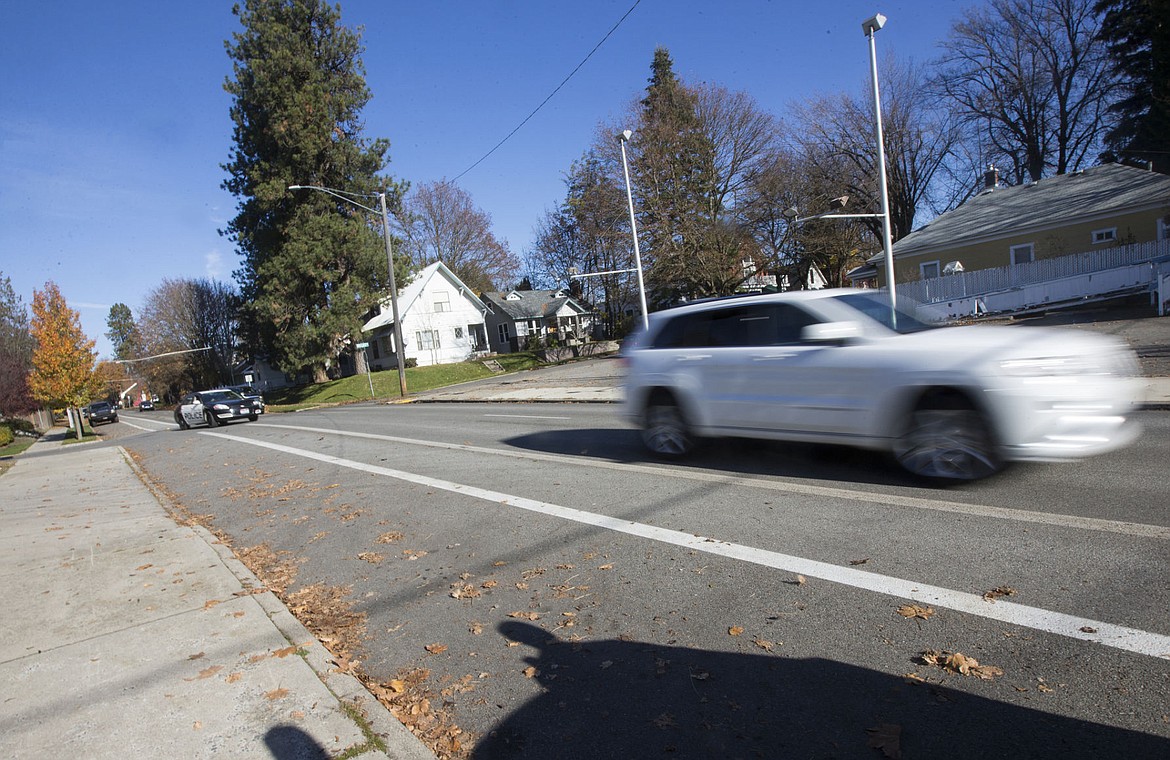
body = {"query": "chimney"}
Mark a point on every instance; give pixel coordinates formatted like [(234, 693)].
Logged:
[(990, 178)]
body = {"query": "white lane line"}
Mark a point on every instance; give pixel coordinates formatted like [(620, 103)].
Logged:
[(977, 510), (1107, 634), (526, 417), (138, 427)]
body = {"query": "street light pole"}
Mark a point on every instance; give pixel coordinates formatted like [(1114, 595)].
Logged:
[(399, 349), (623, 138), (870, 26)]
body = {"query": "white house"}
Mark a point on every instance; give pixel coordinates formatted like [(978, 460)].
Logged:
[(442, 322)]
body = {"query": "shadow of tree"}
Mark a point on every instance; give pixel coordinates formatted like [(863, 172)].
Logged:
[(629, 699), (291, 743)]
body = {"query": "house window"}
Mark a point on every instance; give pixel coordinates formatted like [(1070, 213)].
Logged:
[(442, 301), (1163, 230), (1022, 254), (505, 335), (427, 340), (458, 333), (930, 270), (1105, 236)]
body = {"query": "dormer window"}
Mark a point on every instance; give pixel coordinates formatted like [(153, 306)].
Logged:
[(513, 296)]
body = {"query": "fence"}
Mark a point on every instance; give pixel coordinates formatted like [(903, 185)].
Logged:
[(1064, 278)]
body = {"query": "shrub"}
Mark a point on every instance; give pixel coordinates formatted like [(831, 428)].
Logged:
[(411, 363), (5, 435)]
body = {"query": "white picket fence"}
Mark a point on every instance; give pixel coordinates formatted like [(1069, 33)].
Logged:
[(1079, 277)]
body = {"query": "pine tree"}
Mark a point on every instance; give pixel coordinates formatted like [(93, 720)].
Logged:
[(16, 346), (123, 332), (63, 359), (1138, 35), (313, 264)]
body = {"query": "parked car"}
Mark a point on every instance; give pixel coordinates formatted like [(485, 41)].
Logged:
[(248, 391), (100, 411), (146, 405), (214, 408), (842, 367)]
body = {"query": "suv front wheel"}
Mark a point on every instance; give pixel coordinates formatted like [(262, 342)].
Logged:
[(665, 432)]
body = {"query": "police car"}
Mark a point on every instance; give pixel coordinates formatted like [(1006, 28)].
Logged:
[(214, 408)]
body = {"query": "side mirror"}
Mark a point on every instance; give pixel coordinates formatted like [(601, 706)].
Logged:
[(835, 333)]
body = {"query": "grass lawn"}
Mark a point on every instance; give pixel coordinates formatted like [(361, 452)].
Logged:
[(357, 388), (8, 453)]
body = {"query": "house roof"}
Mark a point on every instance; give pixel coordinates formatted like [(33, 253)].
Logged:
[(1101, 191), (411, 293), (532, 304)]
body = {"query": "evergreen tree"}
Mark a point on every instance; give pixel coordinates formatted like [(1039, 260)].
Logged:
[(313, 264), (674, 176), (123, 332), (16, 345), (1138, 35)]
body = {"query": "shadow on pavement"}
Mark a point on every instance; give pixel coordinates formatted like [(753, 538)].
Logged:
[(291, 743), (625, 699), (739, 456)]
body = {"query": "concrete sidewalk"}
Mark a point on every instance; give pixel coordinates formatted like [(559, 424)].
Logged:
[(125, 634)]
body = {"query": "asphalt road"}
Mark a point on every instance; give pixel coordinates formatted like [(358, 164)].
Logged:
[(569, 597)]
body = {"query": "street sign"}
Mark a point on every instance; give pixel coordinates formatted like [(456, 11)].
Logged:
[(363, 345)]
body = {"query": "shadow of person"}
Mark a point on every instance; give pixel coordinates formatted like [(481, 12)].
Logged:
[(291, 743), (628, 699)]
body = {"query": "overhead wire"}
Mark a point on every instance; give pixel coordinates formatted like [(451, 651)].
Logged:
[(551, 94)]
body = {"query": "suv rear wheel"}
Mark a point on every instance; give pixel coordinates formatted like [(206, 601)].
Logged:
[(665, 432)]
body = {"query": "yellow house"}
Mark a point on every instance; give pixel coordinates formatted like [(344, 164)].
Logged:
[(1090, 210)]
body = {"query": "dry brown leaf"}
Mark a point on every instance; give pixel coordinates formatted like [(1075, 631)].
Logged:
[(282, 653), (464, 591), (233, 677), (735, 630), (206, 673), (606, 567), (276, 694), (489, 584), (914, 611), (372, 557), (886, 738), (764, 644), (859, 561), (389, 538), (144, 567), (525, 615), (436, 648), (665, 721), (529, 672), (476, 628), (801, 580), (522, 585), (210, 603), (397, 686), (957, 662), (999, 591), (196, 656)]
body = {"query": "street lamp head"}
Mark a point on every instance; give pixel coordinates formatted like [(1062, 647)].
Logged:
[(871, 25), (839, 203), (625, 135), (789, 213), (296, 187)]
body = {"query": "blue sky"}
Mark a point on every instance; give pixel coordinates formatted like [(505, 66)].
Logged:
[(114, 122)]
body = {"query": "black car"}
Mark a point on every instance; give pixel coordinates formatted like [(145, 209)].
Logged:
[(100, 411), (146, 405), (214, 408), (248, 391)]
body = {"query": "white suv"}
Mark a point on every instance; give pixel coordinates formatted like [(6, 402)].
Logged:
[(840, 366)]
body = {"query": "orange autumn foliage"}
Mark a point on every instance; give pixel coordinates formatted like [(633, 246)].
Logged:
[(63, 357)]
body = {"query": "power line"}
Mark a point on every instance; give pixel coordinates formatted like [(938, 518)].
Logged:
[(551, 94)]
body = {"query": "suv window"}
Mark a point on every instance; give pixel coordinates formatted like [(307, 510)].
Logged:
[(767, 324)]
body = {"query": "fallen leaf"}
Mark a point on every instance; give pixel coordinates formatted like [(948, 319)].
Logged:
[(859, 561), (999, 591), (489, 584), (144, 567), (372, 557), (276, 693), (529, 672), (887, 738), (233, 677), (801, 580), (196, 656), (198, 725), (1088, 629), (389, 538), (525, 615), (436, 648), (206, 673), (957, 662), (282, 653), (476, 628), (210, 603), (764, 644), (735, 630), (914, 611), (606, 567), (397, 686)]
